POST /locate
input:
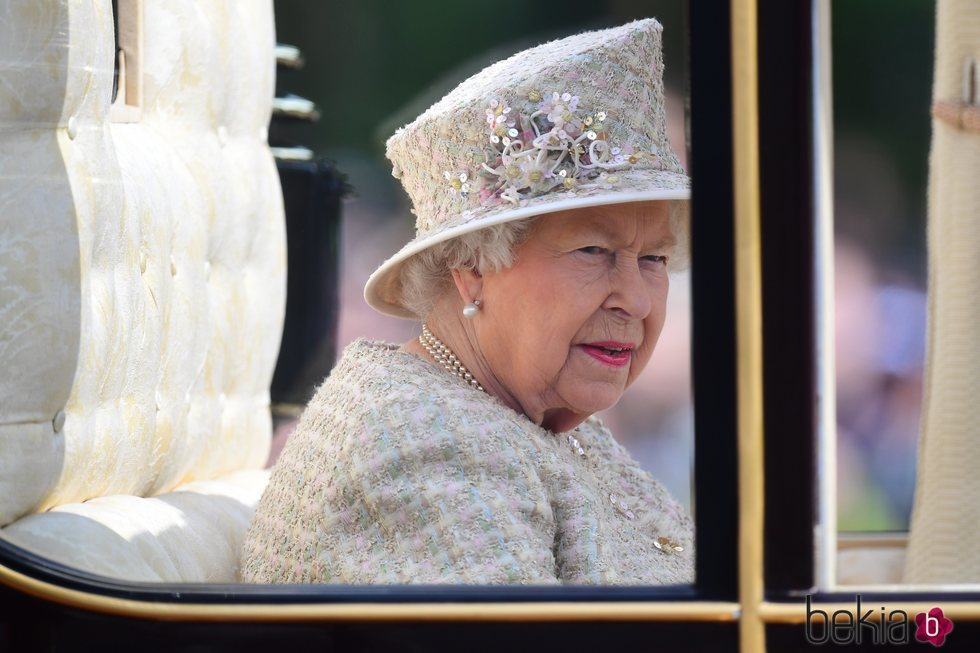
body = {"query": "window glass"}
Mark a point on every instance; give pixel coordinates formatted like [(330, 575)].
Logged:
[(882, 78)]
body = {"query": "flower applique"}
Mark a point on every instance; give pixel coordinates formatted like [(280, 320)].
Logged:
[(458, 183), (553, 145)]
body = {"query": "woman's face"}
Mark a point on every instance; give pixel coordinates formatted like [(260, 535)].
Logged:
[(573, 322)]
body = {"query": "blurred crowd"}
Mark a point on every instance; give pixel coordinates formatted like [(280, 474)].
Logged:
[(880, 331)]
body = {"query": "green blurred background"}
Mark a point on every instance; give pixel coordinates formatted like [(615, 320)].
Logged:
[(373, 65), (882, 85)]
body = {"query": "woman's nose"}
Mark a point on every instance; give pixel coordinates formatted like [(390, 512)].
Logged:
[(629, 296)]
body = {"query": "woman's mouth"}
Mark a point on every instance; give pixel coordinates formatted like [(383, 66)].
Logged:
[(614, 354)]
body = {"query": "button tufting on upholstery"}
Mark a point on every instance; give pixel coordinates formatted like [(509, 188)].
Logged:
[(145, 190), (58, 423)]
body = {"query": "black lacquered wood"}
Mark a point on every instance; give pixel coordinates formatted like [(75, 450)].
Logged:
[(713, 302), (787, 228), (39, 626), (965, 637)]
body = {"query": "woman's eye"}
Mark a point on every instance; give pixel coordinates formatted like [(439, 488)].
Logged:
[(592, 249), (655, 258)]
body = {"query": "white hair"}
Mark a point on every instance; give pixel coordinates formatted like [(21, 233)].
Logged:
[(428, 274)]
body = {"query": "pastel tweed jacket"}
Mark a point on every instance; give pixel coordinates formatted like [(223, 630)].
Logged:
[(401, 473)]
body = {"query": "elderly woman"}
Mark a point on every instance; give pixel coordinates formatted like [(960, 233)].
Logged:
[(549, 210)]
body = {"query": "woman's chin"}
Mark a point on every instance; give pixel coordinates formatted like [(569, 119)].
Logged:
[(579, 403), (595, 386), (594, 397)]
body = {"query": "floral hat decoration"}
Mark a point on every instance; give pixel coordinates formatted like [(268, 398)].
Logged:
[(572, 123)]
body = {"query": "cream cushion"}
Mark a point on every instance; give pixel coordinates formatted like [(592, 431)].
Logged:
[(142, 265), (190, 535)]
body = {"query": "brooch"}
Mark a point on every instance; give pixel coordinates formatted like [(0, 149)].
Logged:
[(668, 545)]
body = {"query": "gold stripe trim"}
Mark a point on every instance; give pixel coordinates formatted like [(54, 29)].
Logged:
[(703, 611), (795, 613), (748, 279)]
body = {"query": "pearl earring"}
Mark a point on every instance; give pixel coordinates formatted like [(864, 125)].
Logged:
[(472, 308)]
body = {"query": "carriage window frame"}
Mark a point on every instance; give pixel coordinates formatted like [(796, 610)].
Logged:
[(755, 460), (801, 543), (712, 597), (829, 540), (799, 549)]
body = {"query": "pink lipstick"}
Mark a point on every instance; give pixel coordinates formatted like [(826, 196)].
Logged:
[(614, 354)]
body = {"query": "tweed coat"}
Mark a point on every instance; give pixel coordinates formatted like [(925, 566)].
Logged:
[(399, 472)]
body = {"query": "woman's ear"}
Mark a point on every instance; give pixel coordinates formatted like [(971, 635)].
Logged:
[(469, 284)]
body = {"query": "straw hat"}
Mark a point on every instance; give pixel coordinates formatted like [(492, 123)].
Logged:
[(568, 124)]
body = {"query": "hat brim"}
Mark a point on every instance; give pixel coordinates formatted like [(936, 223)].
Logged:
[(383, 290)]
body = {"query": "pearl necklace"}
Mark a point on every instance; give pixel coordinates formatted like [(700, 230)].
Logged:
[(453, 365), (445, 355)]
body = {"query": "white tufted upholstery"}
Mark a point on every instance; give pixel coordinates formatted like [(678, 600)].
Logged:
[(142, 265)]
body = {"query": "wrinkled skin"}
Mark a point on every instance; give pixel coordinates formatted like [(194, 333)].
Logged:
[(592, 275)]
